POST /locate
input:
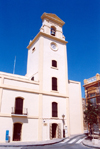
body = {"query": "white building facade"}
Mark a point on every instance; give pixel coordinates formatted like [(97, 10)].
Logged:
[(43, 104)]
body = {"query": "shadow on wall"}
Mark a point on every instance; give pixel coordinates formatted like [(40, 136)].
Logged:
[(20, 120)]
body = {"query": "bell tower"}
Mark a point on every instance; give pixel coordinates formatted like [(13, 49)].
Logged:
[(47, 57), (47, 64), (52, 25)]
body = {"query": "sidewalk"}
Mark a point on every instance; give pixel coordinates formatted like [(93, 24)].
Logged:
[(90, 144), (26, 144)]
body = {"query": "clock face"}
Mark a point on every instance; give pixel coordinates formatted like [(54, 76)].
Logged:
[(53, 46)]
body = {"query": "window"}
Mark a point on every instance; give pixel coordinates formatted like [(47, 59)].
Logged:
[(19, 106), (54, 83), (54, 109), (93, 101), (32, 78), (54, 63), (33, 49), (53, 30), (93, 94), (98, 99)]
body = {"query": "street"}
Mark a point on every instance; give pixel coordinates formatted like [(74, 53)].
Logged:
[(72, 143)]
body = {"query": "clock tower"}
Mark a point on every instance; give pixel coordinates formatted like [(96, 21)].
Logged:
[(48, 46), (47, 64)]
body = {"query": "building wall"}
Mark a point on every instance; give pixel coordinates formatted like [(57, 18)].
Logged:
[(0, 80), (49, 71), (33, 60), (75, 108), (21, 84), (29, 128), (47, 106), (8, 101)]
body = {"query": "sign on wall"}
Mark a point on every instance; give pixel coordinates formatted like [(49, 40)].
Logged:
[(7, 135)]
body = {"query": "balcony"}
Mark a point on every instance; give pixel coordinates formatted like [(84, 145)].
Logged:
[(19, 112), (92, 79)]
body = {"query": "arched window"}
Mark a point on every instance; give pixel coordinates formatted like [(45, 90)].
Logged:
[(54, 63), (54, 83), (53, 30), (54, 109), (19, 106), (17, 127)]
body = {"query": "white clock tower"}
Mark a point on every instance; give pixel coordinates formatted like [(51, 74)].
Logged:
[(47, 63), (47, 57)]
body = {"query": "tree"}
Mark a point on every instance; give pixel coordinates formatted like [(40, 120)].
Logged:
[(90, 114)]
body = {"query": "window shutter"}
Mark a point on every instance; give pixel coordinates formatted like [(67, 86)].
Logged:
[(54, 63), (54, 83), (54, 109)]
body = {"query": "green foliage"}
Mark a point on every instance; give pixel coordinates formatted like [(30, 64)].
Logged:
[(91, 113)]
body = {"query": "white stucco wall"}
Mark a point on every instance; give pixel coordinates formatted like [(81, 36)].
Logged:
[(75, 108), (30, 101), (0, 80), (21, 84), (48, 72), (29, 128), (47, 106), (33, 59)]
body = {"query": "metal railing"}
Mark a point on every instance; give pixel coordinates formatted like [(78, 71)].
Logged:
[(18, 111), (92, 79)]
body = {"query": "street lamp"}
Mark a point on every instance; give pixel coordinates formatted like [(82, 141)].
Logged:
[(63, 126)]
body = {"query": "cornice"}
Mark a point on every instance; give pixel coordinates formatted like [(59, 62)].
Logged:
[(29, 90), (52, 17), (18, 79), (46, 35), (91, 84)]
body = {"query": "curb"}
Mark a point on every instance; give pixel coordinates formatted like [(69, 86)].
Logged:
[(89, 145), (8, 145)]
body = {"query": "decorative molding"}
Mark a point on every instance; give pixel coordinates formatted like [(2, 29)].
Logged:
[(46, 35)]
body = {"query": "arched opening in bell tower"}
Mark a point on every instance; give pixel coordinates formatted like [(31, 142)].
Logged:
[(53, 31)]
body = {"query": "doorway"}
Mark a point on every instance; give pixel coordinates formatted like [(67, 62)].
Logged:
[(17, 127), (54, 130), (18, 106)]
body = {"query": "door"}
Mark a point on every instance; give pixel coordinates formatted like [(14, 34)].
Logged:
[(17, 132), (19, 106), (54, 130)]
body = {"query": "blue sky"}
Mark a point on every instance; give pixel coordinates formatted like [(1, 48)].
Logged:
[(20, 22)]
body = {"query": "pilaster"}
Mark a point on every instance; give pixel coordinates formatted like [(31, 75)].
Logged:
[(40, 121)]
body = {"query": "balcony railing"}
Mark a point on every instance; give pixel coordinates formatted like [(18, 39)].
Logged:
[(92, 79), (17, 111)]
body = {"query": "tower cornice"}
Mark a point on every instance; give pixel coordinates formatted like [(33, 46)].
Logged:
[(52, 17), (46, 35)]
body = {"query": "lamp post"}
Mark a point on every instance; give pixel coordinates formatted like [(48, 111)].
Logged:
[(63, 126)]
